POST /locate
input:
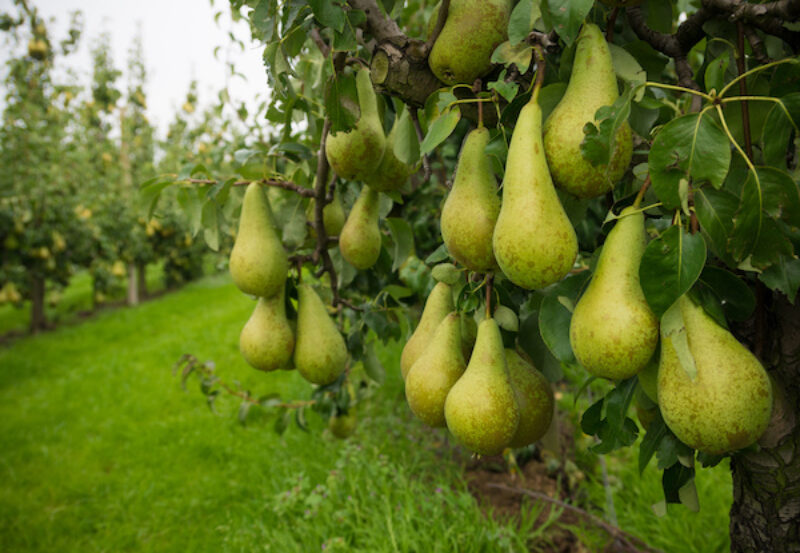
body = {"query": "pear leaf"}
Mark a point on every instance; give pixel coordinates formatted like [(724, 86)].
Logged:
[(520, 55), (341, 102), (600, 141), (784, 275), (329, 14), (507, 90), (372, 365), (628, 69), (673, 330), (403, 238), (781, 121), (554, 321), (522, 19), (406, 143), (715, 210), (506, 318), (447, 273), (565, 16), (440, 129), (715, 72)]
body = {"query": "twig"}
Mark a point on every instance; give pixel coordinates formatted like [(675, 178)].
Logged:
[(440, 21), (321, 252), (426, 162), (320, 42), (757, 44), (631, 542), (612, 19)]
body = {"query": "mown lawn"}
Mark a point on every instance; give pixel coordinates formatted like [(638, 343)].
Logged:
[(101, 450)]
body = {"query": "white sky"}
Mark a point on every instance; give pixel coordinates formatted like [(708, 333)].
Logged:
[(178, 36)]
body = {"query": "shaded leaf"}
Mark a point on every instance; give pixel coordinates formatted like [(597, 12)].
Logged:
[(737, 300), (403, 238), (715, 210), (518, 54), (565, 16), (440, 129), (784, 275)]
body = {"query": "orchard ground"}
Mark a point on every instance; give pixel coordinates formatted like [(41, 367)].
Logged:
[(103, 451)]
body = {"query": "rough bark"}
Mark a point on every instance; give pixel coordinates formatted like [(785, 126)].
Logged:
[(133, 288), (38, 317), (765, 515)]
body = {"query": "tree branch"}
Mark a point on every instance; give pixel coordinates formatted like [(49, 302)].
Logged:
[(380, 26)]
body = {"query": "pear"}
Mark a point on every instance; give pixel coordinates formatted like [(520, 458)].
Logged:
[(357, 153), (267, 340), (471, 208), (360, 239), (392, 173), (258, 262), (534, 399), (534, 242), (481, 410), (613, 331), (473, 29), (437, 306), (592, 85), (727, 404), (343, 425), (333, 215), (648, 379), (435, 371), (320, 355)]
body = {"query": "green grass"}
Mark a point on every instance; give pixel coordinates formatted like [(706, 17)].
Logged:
[(103, 451)]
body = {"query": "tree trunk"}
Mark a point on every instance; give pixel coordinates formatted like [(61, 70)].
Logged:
[(141, 280), (765, 515), (133, 288), (38, 317)]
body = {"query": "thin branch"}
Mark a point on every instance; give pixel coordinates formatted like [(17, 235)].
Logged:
[(612, 19), (321, 252), (320, 42), (426, 162), (381, 27), (757, 45)]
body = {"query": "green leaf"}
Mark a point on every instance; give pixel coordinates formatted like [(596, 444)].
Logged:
[(447, 273), (673, 479), (599, 144), (506, 318), (244, 409), (688, 496), (691, 146), (738, 301), (372, 365), (715, 72), (295, 228), (328, 14), (406, 143), (522, 19), (566, 16), (715, 210), (673, 328), (507, 90), (554, 321), (210, 219), (670, 265), (784, 275), (782, 120), (652, 439), (341, 102), (263, 20), (398, 292), (628, 69), (403, 238), (440, 129), (192, 208), (519, 55), (439, 254)]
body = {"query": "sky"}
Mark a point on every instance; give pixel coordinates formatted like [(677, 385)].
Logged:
[(179, 38)]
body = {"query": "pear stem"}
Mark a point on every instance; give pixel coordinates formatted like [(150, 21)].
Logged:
[(642, 190), (489, 280), (612, 19), (541, 64)]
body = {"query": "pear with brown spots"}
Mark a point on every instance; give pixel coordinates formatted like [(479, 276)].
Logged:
[(534, 398), (713, 393), (437, 306)]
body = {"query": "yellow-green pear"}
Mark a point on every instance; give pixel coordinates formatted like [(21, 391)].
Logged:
[(437, 306), (473, 29), (592, 85), (435, 371), (472, 206), (333, 215), (258, 262), (613, 331), (534, 398), (648, 379), (342, 425), (320, 354), (392, 173), (357, 153), (713, 393), (360, 239), (534, 242), (267, 340), (481, 409)]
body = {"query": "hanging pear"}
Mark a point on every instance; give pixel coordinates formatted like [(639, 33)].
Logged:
[(534, 398), (592, 85), (320, 355), (726, 404), (435, 371), (357, 153), (534, 242), (267, 340), (613, 331), (437, 306), (648, 379), (472, 206), (481, 410), (473, 29), (392, 173), (333, 215), (360, 239), (258, 262)]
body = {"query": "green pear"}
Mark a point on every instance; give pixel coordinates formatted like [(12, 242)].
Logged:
[(472, 206), (726, 404), (267, 340), (360, 239), (473, 29), (534, 242), (392, 173), (343, 425), (481, 409), (534, 398), (613, 331), (333, 215), (648, 379), (357, 153), (592, 85), (258, 262), (437, 306), (320, 355), (435, 371)]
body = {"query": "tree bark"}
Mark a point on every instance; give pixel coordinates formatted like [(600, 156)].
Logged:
[(765, 515), (133, 285), (38, 317), (141, 280)]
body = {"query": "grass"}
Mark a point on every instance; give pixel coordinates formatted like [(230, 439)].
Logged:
[(103, 451)]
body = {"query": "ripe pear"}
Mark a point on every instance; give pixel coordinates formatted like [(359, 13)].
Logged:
[(435, 371), (534, 399), (258, 262), (472, 206), (592, 85), (357, 153), (437, 306), (267, 340), (613, 331), (333, 215), (320, 355), (724, 407), (481, 409), (534, 242), (360, 239), (392, 173), (473, 29)]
